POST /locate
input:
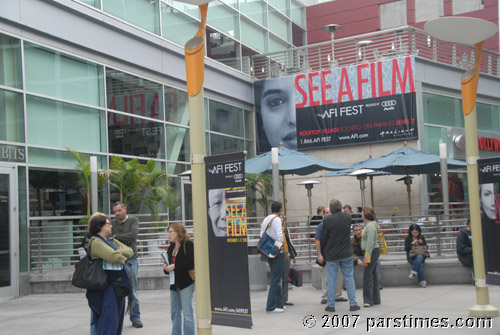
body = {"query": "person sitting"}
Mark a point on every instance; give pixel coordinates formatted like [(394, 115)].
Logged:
[(357, 253), (464, 248), (414, 238)]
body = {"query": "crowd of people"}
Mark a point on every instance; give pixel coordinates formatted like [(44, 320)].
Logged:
[(115, 243)]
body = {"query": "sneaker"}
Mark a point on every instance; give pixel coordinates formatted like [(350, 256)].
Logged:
[(354, 308), (138, 324), (330, 309), (367, 305), (323, 301), (276, 310)]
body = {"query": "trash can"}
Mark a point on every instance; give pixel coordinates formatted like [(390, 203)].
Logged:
[(257, 270)]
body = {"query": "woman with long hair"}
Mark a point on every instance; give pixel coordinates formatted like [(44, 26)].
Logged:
[(369, 243), (107, 306), (181, 261), (414, 238)]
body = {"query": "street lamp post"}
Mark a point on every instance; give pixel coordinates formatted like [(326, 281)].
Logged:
[(194, 51), (332, 28), (470, 31), (361, 175)]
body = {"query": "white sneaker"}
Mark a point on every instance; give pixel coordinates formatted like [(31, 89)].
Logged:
[(277, 310)]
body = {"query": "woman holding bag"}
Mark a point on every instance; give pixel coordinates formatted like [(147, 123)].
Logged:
[(414, 239), (181, 261), (107, 307)]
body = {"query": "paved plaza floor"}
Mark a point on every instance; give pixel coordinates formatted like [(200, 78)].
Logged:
[(67, 313)]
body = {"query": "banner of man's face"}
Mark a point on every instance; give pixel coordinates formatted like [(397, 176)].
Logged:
[(357, 104)]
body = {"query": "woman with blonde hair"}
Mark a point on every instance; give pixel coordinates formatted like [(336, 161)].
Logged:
[(369, 243), (181, 261)]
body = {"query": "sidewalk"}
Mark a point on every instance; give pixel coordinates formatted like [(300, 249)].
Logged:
[(67, 313)]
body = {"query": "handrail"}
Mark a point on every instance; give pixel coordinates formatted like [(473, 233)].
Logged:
[(54, 243)]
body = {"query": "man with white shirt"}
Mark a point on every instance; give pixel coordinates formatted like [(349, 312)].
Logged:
[(272, 225)]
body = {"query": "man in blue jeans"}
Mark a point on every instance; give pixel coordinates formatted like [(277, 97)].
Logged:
[(126, 230), (337, 251), (272, 226)]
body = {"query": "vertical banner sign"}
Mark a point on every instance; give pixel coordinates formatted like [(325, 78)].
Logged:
[(227, 240), (357, 104), (489, 194)]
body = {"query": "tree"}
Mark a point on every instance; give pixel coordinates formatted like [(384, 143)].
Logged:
[(127, 177), (262, 185)]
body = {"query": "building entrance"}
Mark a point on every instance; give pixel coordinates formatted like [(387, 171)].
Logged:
[(9, 250)]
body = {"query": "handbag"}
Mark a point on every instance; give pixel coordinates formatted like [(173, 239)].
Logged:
[(382, 243), (419, 250), (89, 274), (266, 244), (295, 277)]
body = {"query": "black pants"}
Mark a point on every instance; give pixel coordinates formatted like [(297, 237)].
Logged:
[(371, 288)]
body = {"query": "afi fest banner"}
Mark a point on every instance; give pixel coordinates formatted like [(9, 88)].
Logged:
[(489, 194), (227, 240), (357, 104)]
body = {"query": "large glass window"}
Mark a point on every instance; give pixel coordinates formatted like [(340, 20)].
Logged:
[(248, 124), (178, 148), (487, 117), (224, 18), (442, 110), (224, 144), (58, 124), (226, 119), (94, 3), (176, 108), (275, 44), (253, 35), (186, 8), (223, 49), (55, 193), (142, 13), (254, 9), (176, 26), (433, 136), (132, 136), (134, 95), (11, 117), (60, 158), (298, 13), (10, 62), (282, 5), (58, 75), (278, 25)]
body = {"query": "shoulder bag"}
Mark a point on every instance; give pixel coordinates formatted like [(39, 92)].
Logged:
[(419, 250), (89, 273), (266, 244), (382, 243)]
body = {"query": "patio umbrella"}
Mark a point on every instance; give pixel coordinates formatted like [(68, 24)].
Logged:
[(290, 162), (361, 175), (407, 161)]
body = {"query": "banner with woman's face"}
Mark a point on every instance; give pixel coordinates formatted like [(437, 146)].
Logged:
[(357, 104)]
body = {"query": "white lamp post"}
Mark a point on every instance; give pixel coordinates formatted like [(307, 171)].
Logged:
[(332, 28), (195, 73), (470, 31)]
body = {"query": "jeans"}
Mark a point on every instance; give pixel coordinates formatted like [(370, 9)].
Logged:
[(371, 287), (379, 269), (111, 320), (347, 268), (324, 288), (284, 279), (418, 268), (181, 301), (275, 295), (135, 313)]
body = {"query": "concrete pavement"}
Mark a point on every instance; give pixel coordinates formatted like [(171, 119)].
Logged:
[(67, 313)]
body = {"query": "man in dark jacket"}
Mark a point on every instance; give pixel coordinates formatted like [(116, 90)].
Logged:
[(126, 230), (464, 246), (337, 251)]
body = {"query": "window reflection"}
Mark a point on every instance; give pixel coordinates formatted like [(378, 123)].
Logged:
[(136, 137)]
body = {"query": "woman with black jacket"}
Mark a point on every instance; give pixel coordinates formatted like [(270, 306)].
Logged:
[(181, 261), (415, 237)]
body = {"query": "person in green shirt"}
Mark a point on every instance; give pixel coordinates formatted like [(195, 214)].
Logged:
[(369, 243)]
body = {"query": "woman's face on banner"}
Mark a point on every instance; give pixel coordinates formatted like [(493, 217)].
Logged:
[(487, 196), (278, 113), (217, 211)]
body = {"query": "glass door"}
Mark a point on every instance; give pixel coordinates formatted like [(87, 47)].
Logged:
[(186, 201), (9, 261)]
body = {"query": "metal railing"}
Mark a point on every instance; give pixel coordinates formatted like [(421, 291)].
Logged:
[(55, 243), (386, 44)]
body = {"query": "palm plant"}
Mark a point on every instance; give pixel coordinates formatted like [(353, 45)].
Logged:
[(262, 185), (127, 177)]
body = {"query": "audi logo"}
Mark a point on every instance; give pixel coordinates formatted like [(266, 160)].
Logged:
[(388, 103), (238, 176)]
